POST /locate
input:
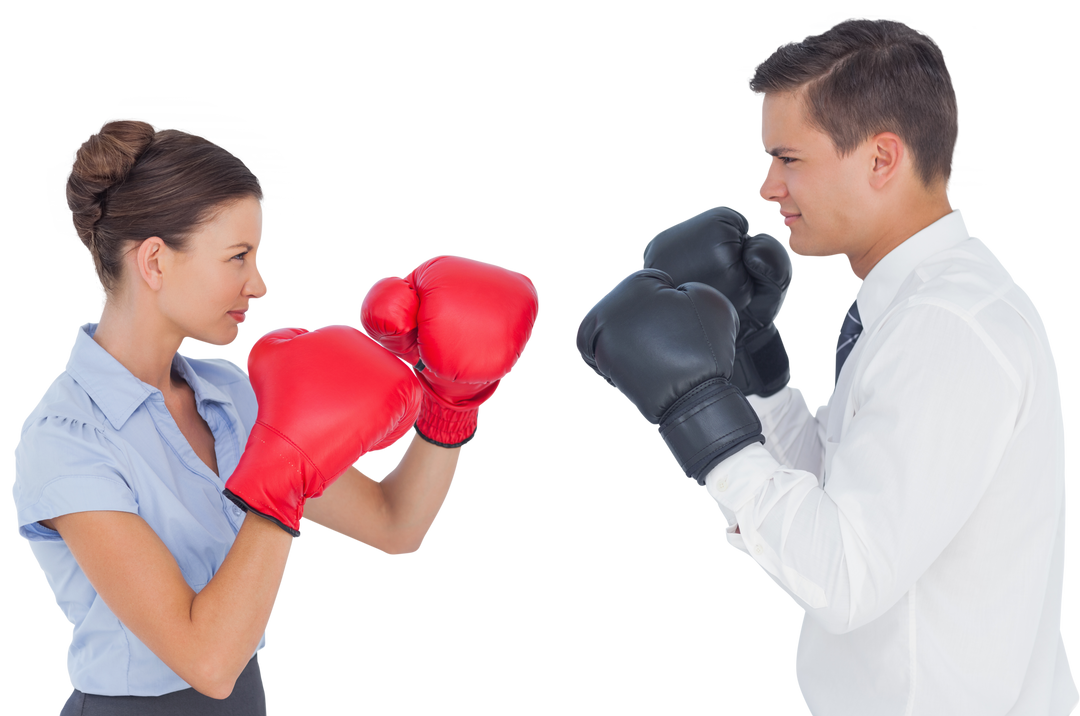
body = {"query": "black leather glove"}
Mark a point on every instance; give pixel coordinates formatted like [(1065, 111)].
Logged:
[(752, 271), (671, 351)]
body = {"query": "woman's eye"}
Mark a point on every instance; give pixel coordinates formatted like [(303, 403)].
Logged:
[(241, 255)]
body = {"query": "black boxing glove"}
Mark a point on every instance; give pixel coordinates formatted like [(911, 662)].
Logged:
[(752, 271), (671, 351)]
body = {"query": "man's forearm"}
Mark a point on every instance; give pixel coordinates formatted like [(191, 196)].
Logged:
[(417, 487)]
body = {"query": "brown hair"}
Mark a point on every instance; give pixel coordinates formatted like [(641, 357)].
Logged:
[(868, 76), (130, 182)]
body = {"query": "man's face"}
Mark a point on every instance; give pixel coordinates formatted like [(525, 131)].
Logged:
[(819, 191)]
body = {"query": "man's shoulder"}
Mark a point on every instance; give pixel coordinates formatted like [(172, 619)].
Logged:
[(968, 269), (966, 278)]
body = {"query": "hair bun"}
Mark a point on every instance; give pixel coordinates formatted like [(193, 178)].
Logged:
[(130, 183), (101, 162)]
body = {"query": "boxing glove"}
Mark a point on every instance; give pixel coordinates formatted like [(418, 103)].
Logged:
[(325, 398), (752, 271), (462, 325), (670, 350)]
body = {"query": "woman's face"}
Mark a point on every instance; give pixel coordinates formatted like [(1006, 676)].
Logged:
[(207, 287)]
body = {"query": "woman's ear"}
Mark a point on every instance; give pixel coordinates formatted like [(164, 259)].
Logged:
[(150, 260)]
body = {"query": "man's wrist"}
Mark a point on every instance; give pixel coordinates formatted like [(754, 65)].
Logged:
[(708, 424)]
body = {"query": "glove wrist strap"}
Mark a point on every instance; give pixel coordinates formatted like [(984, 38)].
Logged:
[(711, 422), (761, 363), (444, 426)]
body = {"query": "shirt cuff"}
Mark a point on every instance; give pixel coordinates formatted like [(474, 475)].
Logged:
[(734, 484), (736, 480), (718, 485)]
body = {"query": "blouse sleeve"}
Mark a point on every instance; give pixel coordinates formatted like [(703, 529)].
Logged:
[(64, 465)]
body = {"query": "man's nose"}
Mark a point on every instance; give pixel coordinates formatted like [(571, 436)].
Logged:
[(773, 189)]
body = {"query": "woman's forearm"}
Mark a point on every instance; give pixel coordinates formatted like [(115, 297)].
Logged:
[(417, 488), (229, 616)]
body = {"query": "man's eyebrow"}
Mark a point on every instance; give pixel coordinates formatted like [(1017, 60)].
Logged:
[(780, 151)]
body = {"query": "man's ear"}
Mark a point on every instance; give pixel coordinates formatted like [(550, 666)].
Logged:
[(888, 153)]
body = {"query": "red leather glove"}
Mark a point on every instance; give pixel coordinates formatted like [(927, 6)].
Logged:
[(325, 398), (462, 324)]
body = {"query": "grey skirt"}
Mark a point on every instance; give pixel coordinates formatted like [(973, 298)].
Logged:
[(247, 699)]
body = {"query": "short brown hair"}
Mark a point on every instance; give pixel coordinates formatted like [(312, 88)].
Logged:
[(130, 182), (868, 76)]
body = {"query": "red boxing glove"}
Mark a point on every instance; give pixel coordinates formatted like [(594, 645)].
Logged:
[(325, 398), (462, 324)]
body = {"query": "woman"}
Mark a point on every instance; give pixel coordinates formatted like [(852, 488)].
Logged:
[(121, 470)]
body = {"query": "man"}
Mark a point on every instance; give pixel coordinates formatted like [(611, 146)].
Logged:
[(919, 517)]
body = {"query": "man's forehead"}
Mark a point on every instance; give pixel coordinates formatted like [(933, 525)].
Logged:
[(782, 124)]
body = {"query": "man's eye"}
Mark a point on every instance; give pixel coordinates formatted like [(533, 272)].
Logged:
[(787, 160)]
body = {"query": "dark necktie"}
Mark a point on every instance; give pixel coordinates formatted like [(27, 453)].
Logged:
[(849, 333)]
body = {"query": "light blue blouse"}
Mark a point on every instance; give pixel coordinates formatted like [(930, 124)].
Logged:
[(101, 439)]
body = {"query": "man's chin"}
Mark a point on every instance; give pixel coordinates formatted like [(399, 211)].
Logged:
[(799, 253)]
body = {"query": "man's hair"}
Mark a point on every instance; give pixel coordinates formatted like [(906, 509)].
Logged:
[(863, 77)]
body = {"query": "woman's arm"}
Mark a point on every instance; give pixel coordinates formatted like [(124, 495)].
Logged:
[(395, 514), (206, 638), (417, 488)]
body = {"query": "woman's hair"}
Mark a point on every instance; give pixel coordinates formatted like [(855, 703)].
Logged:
[(129, 183), (868, 76)]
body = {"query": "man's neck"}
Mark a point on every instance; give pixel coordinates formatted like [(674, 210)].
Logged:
[(897, 226)]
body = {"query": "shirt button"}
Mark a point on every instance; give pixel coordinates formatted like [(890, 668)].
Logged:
[(758, 549), (721, 485)]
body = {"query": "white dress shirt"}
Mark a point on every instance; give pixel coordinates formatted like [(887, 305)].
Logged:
[(919, 518)]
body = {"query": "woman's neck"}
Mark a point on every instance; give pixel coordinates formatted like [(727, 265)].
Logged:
[(140, 343)]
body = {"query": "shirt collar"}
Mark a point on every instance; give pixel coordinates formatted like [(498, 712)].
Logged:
[(884, 280), (114, 389)]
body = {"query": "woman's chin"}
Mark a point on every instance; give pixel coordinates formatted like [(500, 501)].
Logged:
[(217, 342)]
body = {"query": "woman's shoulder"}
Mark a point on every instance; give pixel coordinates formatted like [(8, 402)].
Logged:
[(67, 459), (66, 425), (65, 400)]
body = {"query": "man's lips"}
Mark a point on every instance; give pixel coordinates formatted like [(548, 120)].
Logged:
[(789, 217)]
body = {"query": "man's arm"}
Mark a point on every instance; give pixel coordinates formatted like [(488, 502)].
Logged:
[(932, 411)]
